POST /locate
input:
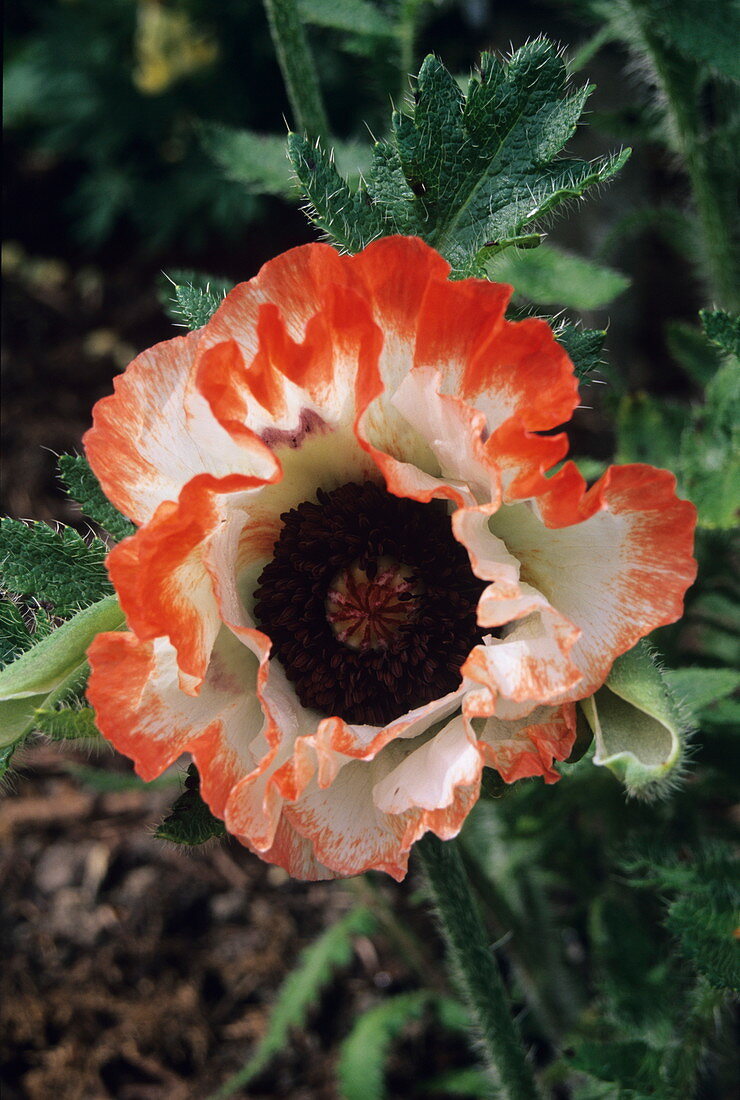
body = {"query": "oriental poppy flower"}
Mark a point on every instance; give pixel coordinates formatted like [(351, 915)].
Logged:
[(353, 585)]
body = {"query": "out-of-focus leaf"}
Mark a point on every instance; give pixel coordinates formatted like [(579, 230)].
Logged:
[(647, 430), (710, 451), (693, 351), (354, 16), (630, 1067), (700, 688), (301, 989), (552, 277), (722, 328)]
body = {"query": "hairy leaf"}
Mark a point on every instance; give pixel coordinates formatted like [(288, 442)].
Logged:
[(585, 347), (66, 723), (703, 913), (190, 821), (190, 299), (53, 670), (55, 567), (638, 727), (312, 973), (550, 276), (83, 486), (15, 637), (466, 173), (6, 756)]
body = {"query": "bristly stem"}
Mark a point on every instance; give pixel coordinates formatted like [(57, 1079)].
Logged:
[(475, 967), (298, 68)]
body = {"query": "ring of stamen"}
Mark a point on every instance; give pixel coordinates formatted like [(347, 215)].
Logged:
[(369, 602)]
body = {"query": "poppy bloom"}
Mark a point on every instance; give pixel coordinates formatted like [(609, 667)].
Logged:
[(353, 585)]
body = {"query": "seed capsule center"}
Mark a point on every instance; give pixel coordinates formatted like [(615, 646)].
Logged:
[(367, 605)]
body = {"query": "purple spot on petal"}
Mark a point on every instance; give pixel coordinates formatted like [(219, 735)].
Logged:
[(309, 423)]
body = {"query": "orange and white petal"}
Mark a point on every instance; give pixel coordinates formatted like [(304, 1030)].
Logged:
[(615, 561), (430, 773), (293, 852), (503, 368), (528, 746), (286, 347), (162, 576), (154, 434), (140, 708), (531, 659), (350, 834)]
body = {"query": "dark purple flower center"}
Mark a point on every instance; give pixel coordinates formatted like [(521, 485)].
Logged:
[(370, 603)]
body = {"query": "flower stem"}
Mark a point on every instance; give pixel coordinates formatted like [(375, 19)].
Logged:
[(475, 966), (298, 68)]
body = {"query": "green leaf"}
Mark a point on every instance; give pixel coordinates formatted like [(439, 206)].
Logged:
[(364, 1052), (629, 1064), (458, 1082), (52, 670), (302, 988), (55, 567), (703, 915), (647, 429), (585, 347), (722, 328), (190, 821), (464, 172), (259, 161), (550, 276), (101, 780), (15, 637), (353, 16), (692, 350), (706, 926), (66, 723), (699, 689), (196, 297), (710, 451), (348, 217), (637, 725), (83, 486), (6, 755), (700, 31), (630, 968)]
